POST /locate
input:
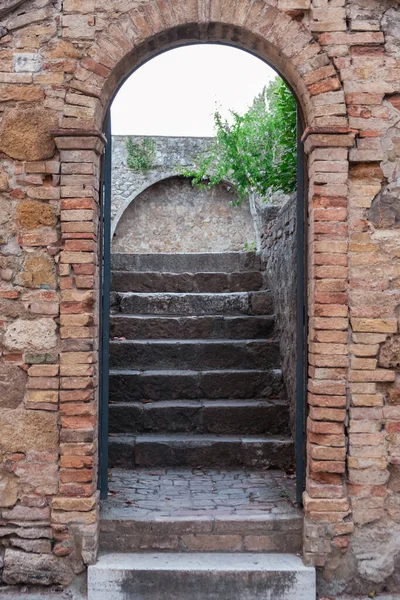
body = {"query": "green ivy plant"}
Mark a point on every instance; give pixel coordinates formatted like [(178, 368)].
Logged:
[(256, 152), (140, 154)]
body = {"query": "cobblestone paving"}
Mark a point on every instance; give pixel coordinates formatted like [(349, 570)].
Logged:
[(185, 493)]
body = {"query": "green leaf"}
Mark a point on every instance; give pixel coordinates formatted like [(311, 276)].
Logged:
[(255, 152), (140, 155)]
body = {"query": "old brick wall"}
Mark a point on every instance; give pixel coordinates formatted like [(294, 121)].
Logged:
[(60, 64), (158, 211)]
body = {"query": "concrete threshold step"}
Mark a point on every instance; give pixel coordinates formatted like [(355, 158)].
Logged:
[(200, 576), (130, 385), (232, 303), (194, 354), (200, 451), (191, 327), (241, 417), (187, 262), (240, 281)]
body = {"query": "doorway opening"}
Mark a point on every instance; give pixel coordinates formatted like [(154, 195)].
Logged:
[(203, 352)]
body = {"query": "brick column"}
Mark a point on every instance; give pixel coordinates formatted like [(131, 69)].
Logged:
[(75, 509), (327, 511)]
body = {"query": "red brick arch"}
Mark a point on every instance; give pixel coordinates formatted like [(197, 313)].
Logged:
[(258, 27)]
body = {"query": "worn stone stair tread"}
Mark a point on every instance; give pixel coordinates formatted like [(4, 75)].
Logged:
[(259, 522), (200, 576), (152, 372), (200, 450), (144, 317), (202, 561), (151, 326), (200, 282), (175, 303), (183, 438), (186, 262), (188, 354), (199, 402), (192, 341), (244, 417), (130, 385)]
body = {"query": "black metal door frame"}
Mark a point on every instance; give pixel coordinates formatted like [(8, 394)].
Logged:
[(104, 316), (301, 305), (104, 321)]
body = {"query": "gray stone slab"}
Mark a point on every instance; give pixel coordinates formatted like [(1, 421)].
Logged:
[(200, 451), (129, 386), (243, 417), (185, 304), (194, 354), (187, 262), (191, 327), (200, 576), (128, 281)]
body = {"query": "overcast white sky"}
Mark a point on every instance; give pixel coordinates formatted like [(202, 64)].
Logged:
[(177, 92)]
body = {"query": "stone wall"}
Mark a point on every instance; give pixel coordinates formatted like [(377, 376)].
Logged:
[(170, 155), (277, 224), (173, 216), (61, 62), (156, 211)]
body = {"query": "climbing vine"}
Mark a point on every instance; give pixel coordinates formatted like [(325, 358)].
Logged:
[(256, 151), (140, 154)]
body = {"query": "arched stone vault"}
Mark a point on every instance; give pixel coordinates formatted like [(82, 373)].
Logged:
[(150, 182)]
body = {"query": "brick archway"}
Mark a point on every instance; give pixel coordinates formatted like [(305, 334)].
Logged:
[(273, 35)]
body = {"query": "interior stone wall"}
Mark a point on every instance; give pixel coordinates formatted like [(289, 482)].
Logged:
[(60, 64), (174, 216), (278, 248)]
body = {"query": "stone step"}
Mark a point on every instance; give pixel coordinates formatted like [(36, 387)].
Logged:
[(231, 533), (194, 354), (242, 281), (191, 327), (131, 386), (240, 417), (200, 576), (200, 451), (233, 303), (227, 262)]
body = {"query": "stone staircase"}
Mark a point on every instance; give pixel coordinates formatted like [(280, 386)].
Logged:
[(195, 378), (200, 507)]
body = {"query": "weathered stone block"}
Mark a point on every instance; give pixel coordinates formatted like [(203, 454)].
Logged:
[(31, 336), (35, 569), (39, 272), (25, 133), (12, 385), (42, 478), (385, 211), (28, 431), (33, 214), (9, 487), (27, 62), (37, 546)]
